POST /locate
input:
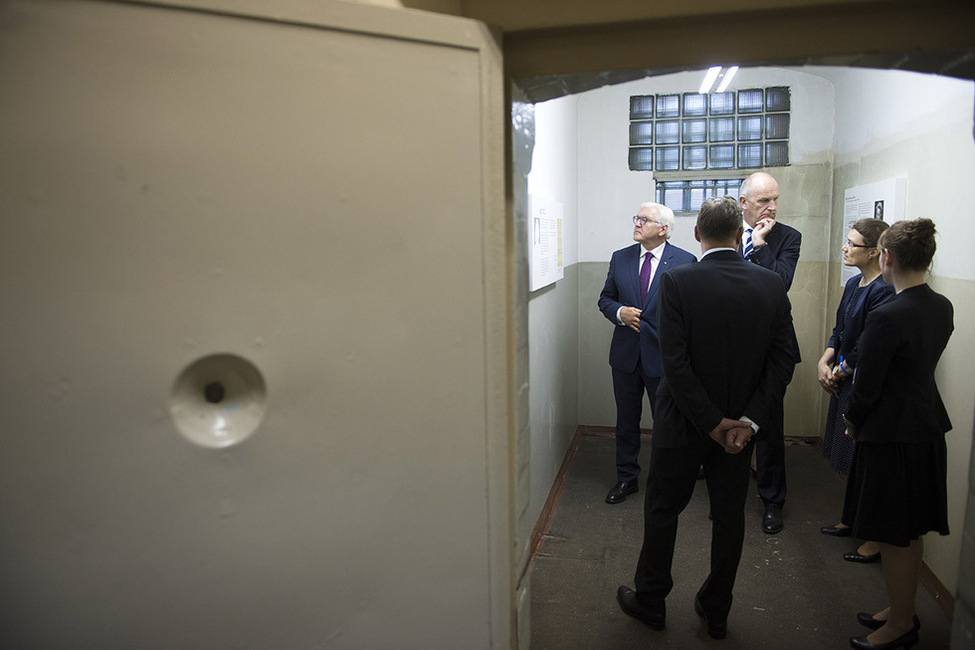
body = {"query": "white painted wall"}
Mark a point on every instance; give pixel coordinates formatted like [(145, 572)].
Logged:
[(553, 327), (877, 110)]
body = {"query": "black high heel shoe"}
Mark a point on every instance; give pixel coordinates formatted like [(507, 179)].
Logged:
[(905, 641), (836, 531), (867, 620)]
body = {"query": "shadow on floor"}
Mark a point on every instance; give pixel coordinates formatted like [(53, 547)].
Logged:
[(794, 590)]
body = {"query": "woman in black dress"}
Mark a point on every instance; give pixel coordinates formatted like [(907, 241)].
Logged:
[(897, 489), (864, 292)]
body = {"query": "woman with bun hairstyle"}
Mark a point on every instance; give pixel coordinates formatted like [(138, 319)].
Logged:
[(897, 489), (864, 292)]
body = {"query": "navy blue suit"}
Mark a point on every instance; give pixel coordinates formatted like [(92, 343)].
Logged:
[(779, 254), (635, 358)]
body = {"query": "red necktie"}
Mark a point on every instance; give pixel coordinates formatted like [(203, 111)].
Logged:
[(645, 278)]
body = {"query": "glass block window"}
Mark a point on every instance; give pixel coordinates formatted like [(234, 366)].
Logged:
[(641, 133), (777, 126), (695, 104), (668, 132), (687, 196), (750, 127), (722, 156), (746, 129), (776, 154), (750, 155), (641, 107), (751, 101), (777, 99), (668, 106), (641, 157), (722, 103), (667, 158), (696, 157), (721, 129), (694, 131)]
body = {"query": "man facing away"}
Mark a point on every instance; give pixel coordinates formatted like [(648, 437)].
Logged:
[(629, 301), (774, 246), (714, 395)]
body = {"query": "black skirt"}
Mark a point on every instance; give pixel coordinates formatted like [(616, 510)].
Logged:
[(897, 492)]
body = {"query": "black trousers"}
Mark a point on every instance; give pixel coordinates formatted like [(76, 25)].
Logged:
[(628, 387), (671, 481), (770, 458)]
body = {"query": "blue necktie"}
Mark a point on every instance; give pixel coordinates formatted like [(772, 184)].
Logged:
[(746, 253), (645, 277)]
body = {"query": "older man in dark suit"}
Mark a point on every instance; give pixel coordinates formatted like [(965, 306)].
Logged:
[(774, 246), (714, 395), (629, 301)]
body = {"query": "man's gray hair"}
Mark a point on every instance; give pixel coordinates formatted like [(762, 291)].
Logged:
[(662, 214)]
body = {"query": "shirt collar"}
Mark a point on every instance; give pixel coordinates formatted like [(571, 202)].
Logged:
[(657, 252), (715, 250)]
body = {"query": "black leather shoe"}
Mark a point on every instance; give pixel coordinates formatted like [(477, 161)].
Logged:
[(904, 641), (620, 490), (772, 521), (836, 531), (716, 629), (856, 556), (867, 620), (626, 597)]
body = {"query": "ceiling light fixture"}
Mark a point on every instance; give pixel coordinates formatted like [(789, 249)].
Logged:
[(728, 76), (709, 79)]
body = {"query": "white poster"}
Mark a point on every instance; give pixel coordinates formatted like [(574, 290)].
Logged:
[(882, 200), (545, 246)]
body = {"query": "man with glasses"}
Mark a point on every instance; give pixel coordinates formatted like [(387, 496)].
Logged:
[(774, 246), (629, 301)]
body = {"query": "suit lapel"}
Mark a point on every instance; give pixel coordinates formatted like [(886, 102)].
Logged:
[(633, 270)]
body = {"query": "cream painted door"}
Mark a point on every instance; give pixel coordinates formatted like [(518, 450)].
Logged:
[(252, 349)]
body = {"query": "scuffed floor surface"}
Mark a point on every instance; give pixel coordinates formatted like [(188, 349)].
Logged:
[(794, 589)]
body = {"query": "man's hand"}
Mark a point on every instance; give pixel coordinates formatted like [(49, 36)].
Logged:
[(737, 438), (631, 318), (732, 435), (762, 228)]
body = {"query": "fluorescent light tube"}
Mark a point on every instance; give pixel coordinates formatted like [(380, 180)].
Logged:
[(728, 76), (709, 79)]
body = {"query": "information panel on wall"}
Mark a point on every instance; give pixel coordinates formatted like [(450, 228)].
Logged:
[(545, 246), (881, 200)]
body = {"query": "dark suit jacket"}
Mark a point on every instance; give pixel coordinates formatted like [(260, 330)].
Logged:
[(622, 289), (851, 318), (780, 252), (894, 397), (707, 312)]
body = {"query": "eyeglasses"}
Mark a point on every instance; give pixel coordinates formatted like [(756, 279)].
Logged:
[(644, 221), (850, 244)]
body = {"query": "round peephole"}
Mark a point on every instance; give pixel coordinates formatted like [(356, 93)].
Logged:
[(218, 401)]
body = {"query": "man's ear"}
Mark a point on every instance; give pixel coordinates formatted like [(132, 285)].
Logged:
[(741, 231), (696, 236)]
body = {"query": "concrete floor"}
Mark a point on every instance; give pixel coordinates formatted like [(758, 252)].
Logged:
[(794, 590)]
